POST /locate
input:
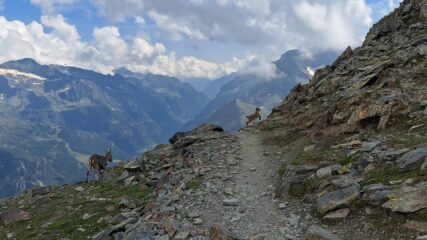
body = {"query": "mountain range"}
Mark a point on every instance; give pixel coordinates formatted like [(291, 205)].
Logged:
[(53, 117), (243, 92)]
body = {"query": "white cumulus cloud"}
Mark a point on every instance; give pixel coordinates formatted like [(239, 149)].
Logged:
[(106, 50), (271, 25), (50, 5)]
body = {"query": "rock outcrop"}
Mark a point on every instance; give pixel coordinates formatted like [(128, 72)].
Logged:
[(379, 84)]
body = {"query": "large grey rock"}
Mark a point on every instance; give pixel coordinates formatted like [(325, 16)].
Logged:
[(41, 190), (133, 166), (319, 233), (344, 181), (333, 200), (408, 200), (369, 146), (377, 198), (413, 159), (293, 175), (324, 172)]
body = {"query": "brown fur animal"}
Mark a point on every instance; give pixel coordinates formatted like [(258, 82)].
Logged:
[(252, 117), (99, 163)]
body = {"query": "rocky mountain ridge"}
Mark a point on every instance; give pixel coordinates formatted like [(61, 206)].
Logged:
[(255, 90)]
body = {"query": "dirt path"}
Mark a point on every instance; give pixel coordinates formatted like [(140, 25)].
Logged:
[(250, 182)]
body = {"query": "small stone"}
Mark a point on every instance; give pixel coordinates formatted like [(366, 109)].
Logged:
[(395, 182), (319, 233), (337, 214), (324, 172), (309, 148), (253, 169), (369, 146), (198, 221), (128, 181), (343, 182), (282, 205), (86, 216), (79, 189), (124, 202), (230, 202), (182, 234), (193, 214), (123, 176), (228, 192), (414, 128)]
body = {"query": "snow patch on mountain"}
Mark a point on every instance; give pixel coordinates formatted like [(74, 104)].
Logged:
[(21, 74)]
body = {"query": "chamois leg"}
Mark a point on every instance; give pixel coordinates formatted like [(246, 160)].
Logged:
[(98, 171), (87, 174)]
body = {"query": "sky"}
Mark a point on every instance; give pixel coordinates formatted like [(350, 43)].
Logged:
[(181, 38)]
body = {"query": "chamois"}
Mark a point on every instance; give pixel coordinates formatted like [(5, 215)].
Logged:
[(254, 116), (99, 163)]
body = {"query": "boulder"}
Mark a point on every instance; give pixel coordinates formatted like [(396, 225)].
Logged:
[(201, 129), (319, 233), (333, 200), (133, 166), (412, 160), (343, 182), (41, 190), (293, 175), (324, 172), (369, 146), (407, 200)]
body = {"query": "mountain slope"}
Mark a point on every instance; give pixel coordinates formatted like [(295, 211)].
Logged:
[(52, 116), (258, 90)]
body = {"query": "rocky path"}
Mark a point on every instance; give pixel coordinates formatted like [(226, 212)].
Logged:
[(244, 203)]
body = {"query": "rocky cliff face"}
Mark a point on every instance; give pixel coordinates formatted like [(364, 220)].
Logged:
[(256, 90), (375, 86)]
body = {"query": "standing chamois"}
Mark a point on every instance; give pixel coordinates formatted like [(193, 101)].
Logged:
[(252, 117), (99, 163)]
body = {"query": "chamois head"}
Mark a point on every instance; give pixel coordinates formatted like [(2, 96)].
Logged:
[(257, 109), (109, 155)]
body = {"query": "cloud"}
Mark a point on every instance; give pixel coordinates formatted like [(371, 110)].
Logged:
[(49, 6), (119, 10), (105, 51), (279, 24)]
